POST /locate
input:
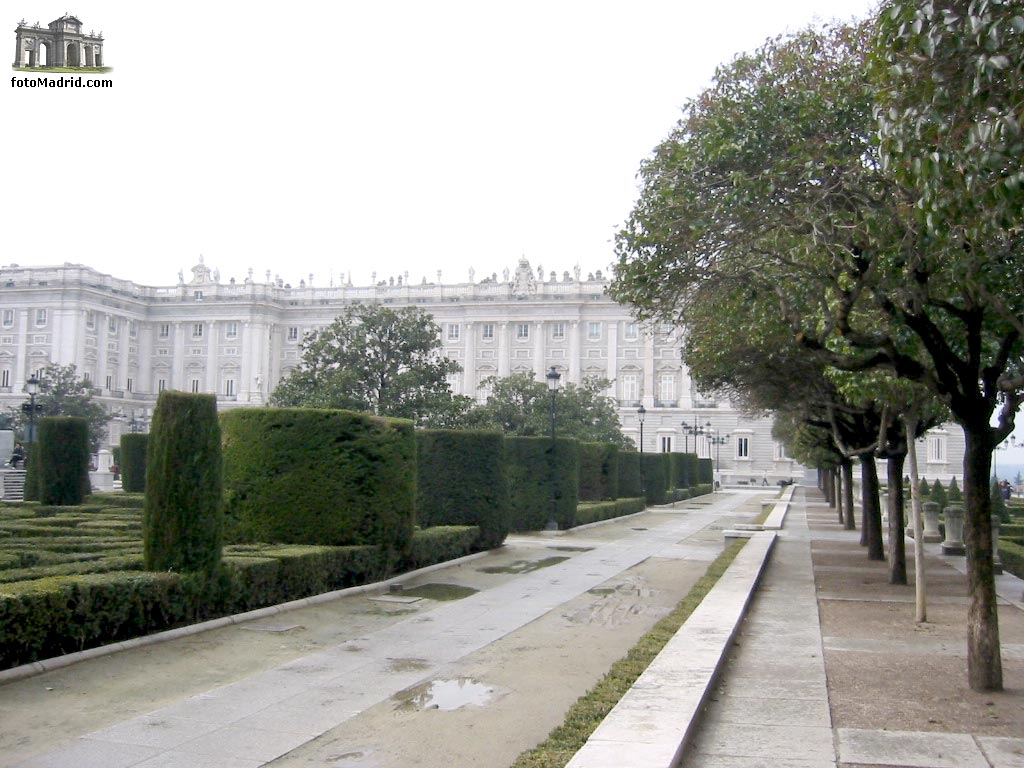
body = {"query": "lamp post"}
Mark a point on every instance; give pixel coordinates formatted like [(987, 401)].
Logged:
[(695, 430), (32, 387), (641, 413), (718, 441), (1001, 447), (553, 377)]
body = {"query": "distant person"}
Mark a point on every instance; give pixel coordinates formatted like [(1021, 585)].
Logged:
[(18, 456), (1007, 489)]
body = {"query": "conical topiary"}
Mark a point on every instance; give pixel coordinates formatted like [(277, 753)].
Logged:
[(923, 490), (954, 496), (939, 494), (999, 510)]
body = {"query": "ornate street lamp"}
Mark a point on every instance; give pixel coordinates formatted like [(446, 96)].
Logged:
[(696, 430), (32, 387), (718, 441), (641, 413), (553, 378)]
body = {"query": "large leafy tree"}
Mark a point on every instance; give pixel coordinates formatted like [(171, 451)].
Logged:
[(521, 405), (875, 253), (62, 392), (376, 359)]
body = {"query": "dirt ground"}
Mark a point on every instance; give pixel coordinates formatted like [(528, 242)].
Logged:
[(884, 670)]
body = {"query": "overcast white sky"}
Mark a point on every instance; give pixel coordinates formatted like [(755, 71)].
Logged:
[(336, 137)]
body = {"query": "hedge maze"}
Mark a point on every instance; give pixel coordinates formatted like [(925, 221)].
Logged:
[(261, 506)]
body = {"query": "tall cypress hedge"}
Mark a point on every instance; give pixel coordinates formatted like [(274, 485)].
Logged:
[(309, 476), (629, 475), (706, 471), (461, 481), (63, 460), (183, 519), (655, 467), (32, 472), (599, 471), (535, 469), (692, 470), (680, 476), (133, 462)]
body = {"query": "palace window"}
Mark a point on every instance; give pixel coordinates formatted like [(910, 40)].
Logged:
[(90, 319), (161, 385), (594, 331), (667, 388), (229, 387), (666, 443), (454, 331), (522, 331), (488, 332), (293, 333), (231, 330), (197, 330), (742, 447), (194, 385), (632, 332), (40, 317), (629, 387), (937, 449), (111, 325), (165, 330), (558, 331), (5, 378)]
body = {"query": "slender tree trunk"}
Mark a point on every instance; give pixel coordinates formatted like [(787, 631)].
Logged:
[(848, 522), (984, 663), (839, 493), (897, 542), (920, 583), (872, 512)]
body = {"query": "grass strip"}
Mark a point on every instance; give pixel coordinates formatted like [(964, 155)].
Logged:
[(592, 707)]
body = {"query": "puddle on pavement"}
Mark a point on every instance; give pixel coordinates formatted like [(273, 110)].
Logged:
[(355, 759), (524, 566), (440, 591), (445, 695), (601, 591), (638, 529), (573, 549), (407, 665)]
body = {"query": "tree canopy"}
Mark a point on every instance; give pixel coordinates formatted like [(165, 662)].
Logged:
[(376, 359), (62, 392), (863, 184)]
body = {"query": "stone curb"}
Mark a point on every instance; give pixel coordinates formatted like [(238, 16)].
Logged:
[(652, 724), (57, 662)]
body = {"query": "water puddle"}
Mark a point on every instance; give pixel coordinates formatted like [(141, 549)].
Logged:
[(440, 591), (446, 695), (573, 549), (524, 566)]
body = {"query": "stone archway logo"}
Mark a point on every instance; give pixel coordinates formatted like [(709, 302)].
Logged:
[(60, 45)]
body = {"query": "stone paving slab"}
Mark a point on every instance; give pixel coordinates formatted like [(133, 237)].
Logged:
[(262, 717), (909, 749)]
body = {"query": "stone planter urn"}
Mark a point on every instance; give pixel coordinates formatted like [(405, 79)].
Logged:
[(954, 543), (932, 534)]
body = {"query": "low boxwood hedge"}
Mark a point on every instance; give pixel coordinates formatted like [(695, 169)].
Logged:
[(51, 616), (607, 510)]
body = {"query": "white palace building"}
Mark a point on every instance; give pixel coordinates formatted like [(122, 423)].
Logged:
[(238, 339)]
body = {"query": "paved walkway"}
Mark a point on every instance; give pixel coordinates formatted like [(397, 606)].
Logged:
[(776, 707), (266, 715)]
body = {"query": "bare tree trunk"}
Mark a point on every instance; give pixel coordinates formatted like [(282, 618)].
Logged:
[(848, 522), (920, 583), (984, 663), (872, 513), (839, 493), (897, 542)]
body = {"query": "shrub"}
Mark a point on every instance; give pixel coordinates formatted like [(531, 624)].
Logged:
[(629, 474), (32, 473), (954, 495), (539, 472), (705, 472), (307, 476), (1011, 554), (461, 481), (133, 462), (182, 523), (599, 471), (923, 489), (680, 477), (655, 469), (63, 460), (607, 510), (938, 495)]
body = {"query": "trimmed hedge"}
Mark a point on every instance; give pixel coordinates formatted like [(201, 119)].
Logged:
[(306, 476), (1012, 556), (607, 510), (705, 472), (599, 471), (656, 480), (133, 462), (62, 614), (537, 471), (63, 460), (629, 474), (461, 481), (184, 516), (33, 477)]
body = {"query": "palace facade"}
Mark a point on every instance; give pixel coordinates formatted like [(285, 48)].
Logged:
[(238, 339)]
